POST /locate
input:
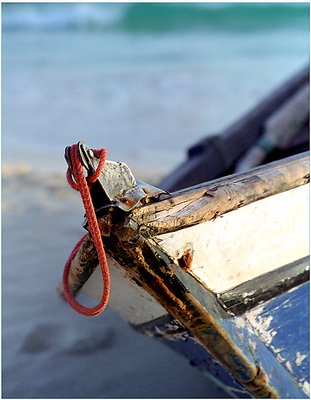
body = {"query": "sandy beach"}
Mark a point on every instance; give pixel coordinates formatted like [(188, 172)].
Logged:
[(49, 351)]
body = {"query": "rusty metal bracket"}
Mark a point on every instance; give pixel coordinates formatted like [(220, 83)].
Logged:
[(116, 185)]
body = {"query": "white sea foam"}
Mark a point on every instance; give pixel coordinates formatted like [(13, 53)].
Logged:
[(61, 16)]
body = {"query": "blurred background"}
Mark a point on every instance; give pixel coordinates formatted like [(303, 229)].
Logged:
[(145, 81)]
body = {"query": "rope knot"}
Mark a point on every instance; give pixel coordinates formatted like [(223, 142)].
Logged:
[(79, 182), (101, 154)]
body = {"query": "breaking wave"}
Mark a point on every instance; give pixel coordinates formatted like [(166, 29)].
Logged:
[(153, 17)]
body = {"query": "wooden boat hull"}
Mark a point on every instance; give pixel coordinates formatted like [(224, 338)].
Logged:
[(200, 290), (218, 271)]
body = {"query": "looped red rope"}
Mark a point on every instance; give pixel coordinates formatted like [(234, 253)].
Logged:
[(82, 184)]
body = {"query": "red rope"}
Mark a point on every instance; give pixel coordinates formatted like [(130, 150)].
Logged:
[(83, 186)]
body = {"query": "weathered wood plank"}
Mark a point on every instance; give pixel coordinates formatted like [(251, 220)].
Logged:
[(134, 304), (208, 201), (244, 244), (82, 266)]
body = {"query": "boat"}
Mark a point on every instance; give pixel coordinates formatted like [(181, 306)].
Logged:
[(214, 261)]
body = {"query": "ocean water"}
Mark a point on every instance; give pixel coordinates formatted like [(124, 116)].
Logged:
[(143, 80)]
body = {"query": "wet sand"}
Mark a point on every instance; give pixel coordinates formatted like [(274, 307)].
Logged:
[(49, 351)]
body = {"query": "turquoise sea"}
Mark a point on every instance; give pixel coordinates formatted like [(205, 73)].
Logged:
[(143, 80)]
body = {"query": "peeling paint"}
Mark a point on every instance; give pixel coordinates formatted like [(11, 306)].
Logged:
[(280, 358), (240, 322), (248, 294), (278, 355), (185, 260), (262, 324), (299, 358), (255, 312), (305, 386), (289, 366), (169, 332), (275, 350), (252, 345)]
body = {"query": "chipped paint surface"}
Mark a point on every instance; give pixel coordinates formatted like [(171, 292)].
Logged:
[(280, 324), (299, 358), (171, 331), (185, 261), (280, 358), (305, 386), (252, 345), (262, 324), (289, 366), (220, 263), (240, 322)]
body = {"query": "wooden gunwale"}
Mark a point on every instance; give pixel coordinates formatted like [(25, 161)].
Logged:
[(209, 200)]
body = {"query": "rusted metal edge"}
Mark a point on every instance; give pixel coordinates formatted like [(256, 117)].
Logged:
[(207, 201), (154, 271)]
